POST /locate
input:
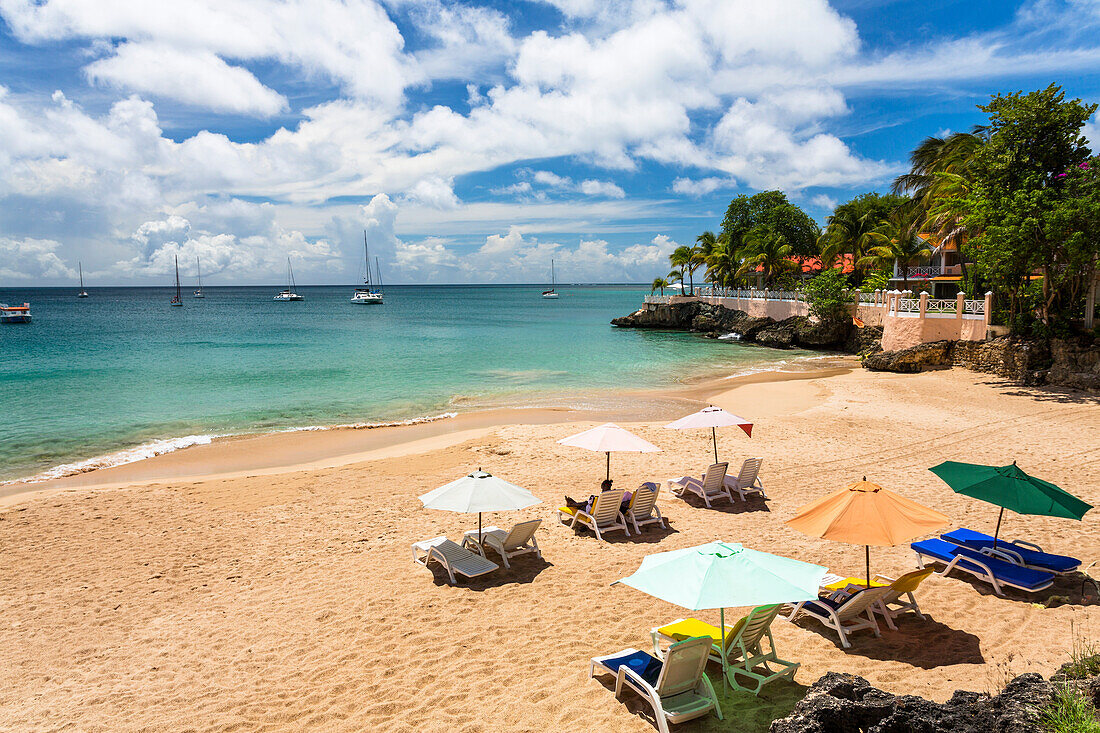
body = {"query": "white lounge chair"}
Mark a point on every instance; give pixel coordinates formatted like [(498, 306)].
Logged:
[(747, 481), (520, 540), (604, 517), (744, 652), (643, 507), (842, 612), (677, 687), (453, 557), (711, 488)]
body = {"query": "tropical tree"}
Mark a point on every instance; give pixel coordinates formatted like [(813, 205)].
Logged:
[(853, 228), (766, 252), (659, 283), (684, 258), (675, 276), (723, 263), (896, 242), (773, 210)]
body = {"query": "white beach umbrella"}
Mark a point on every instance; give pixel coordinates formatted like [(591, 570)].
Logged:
[(712, 417), (607, 438), (479, 492)]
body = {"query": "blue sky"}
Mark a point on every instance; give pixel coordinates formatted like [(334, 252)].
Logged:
[(474, 141)]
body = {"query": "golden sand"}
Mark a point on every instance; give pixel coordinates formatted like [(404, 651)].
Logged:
[(285, 598)]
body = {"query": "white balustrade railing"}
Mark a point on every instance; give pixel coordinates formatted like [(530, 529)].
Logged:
[(907, 305), (866, 297), (941, 305), (926, 271), (973, 307), (657, 299)]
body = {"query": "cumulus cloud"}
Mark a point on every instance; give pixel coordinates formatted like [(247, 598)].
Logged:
[(194, 77), (701, 186), (32, 259)]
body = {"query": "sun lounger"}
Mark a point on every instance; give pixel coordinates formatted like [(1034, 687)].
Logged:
[(711, 488), (900, 599), (843, 612), (677, 687), (453, 557), (998, 573), (643, 507), (1018, 551), (743, 650), (605, 516), (747, 481), (520, 540)]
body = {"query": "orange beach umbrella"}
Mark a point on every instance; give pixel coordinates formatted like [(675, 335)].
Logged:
[(864, 513)]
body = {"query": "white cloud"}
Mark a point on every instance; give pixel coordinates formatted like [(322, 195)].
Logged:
[(434, 191), (592, 187), (34, 258), (823, 201), (192, 77), (701, 186)]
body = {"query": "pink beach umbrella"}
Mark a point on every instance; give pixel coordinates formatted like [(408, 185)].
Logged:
[(607, 438), (712, 417)]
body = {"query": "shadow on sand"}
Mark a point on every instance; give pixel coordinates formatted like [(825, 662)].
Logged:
[(926, 643), (752, 504), (525, 569)]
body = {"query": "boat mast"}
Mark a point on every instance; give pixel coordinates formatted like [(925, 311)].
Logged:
[(378, 270), (553, 283), (198, 268), (291, 286), (80, 266), (366, 258), (178, 278)]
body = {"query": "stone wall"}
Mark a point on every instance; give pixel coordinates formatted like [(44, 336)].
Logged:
[(777, 310)]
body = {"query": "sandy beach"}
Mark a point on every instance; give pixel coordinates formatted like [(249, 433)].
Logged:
[(266, 584)]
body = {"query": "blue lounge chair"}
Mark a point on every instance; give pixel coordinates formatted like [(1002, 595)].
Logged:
[(1020, 552), (998, 573)]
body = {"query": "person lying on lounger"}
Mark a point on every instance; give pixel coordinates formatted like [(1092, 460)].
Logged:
[(587, 505)]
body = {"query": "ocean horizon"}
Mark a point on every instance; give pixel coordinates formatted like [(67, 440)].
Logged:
[(121, 375)]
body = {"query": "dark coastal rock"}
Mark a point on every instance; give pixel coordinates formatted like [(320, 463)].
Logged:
[(913, 359), (866, 340), (780, 335), (838, 703), (676, 316), (828, 334), (1074, 364), (1017, 359)]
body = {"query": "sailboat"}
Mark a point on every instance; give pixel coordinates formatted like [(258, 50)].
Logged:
[(177, 301), (83, 293), (198, 290), (368, 295), (288, 294), (551, 293)]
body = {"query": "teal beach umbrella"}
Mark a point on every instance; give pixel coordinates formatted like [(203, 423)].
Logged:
[(721, 574), (1009, 487)]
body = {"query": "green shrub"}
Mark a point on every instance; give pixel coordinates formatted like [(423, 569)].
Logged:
[(827, 296)]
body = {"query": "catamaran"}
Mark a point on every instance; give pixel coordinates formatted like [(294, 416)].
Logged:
[(288, 294), (177, 300), (551, 293), (15, 313), (198, 290), (368, 295), (83, 293)]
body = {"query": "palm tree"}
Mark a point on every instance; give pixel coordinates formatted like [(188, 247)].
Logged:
[(848, 231), (675, 276), (684, 258), (658, 283), (722, 263), (766, 251), (896, 242), (941, 177)]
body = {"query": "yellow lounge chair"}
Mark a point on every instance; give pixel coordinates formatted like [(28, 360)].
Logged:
[(604, 517), (843, 612), (743, 651), (900, 598), (643, 507)]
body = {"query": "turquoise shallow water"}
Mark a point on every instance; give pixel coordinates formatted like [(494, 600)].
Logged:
[(91, 377)]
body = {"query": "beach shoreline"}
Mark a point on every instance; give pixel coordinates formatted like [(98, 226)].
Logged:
[(299, 449)]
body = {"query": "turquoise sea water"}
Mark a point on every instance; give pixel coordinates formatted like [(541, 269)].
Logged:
[(91, 377)]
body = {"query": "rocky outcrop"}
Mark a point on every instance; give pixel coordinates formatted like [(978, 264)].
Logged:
[(839, 703), (1017, 359), (914, 359), (716, 320), (1074, 365)]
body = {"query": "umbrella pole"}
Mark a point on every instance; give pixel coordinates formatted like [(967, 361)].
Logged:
[(609, 465), (714, 437), (998, 530), (479, 528), (867, 558), (722, 621)]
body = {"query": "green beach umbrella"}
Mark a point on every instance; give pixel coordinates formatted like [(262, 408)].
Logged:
[(721, 574), (1009, 487)]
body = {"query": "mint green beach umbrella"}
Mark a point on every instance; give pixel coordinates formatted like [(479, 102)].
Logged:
[(725, 574), (1009, 487)]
